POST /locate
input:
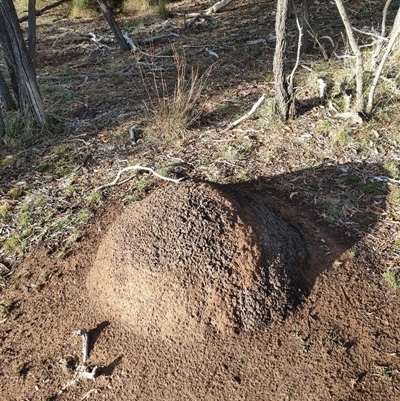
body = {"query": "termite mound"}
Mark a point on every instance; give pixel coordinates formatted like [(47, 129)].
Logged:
[(199, 256)]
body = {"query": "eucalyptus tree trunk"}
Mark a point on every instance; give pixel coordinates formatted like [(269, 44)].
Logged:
[(113, 25), (32, 31), (2, 129), (17, 58), (357, 52), (305, 26), (393, 38), (281, 86), (5, 95)]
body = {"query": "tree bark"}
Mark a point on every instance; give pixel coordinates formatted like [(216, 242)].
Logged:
[(392, 41), (32, 31), (113, 25), (2, 128), (281, 87), (357, 52), (29, 98), (305, 26), (5, 95)]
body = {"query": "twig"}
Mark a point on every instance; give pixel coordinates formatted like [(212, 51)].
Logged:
[(85, 343), (137, 167), (158, 38), (211, 53), (374, 35), (247, 115), (93, 38), (81, 371)]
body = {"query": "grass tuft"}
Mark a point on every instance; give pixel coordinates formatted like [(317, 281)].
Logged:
[(175, 109), (392, 278)]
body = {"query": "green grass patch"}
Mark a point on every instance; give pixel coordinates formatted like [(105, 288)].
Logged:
[(5, 307), (392, 279), (374, 188), (83, 216), (352, 179), (394, 194), (15, 245), (94, 198), (332, 210), (342, 136), (392, 169)]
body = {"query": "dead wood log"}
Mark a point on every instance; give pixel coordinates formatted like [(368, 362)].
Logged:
[(217, 6)]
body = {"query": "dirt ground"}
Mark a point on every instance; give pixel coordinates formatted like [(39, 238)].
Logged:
[(340, 343)]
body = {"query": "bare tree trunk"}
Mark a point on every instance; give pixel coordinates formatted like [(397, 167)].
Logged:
[(6, 46), (392, 41), (282, 95), (2, 128), (5, 95), (113, 25), (32, 31), (29, 98), (357, 52), (305, 26)]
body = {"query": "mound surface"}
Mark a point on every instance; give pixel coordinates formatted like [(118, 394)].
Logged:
[(198, 256)]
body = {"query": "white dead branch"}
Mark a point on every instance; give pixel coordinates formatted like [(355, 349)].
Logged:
[(255, 42), (322, 88), (132, 134), (205, 14), (85, 343), (97, 40), (211, 53), (217, 6), (247, 115), (128, 40), (137, 167), (81, 371), (350, 115)]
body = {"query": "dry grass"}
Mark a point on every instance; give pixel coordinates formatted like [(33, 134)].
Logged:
[(174, 110)]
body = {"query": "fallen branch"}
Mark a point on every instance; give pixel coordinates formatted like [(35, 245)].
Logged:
[(93, 75), (137, 167), (85, 343), (81, 371), (350, 115), (44, 9), (217, 6), (158, 38), (204, 14), (247, 115)]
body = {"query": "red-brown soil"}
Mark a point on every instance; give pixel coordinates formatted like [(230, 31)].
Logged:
[(336, 346)]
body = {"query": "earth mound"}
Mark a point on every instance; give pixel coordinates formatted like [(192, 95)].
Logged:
[(195, 257)]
